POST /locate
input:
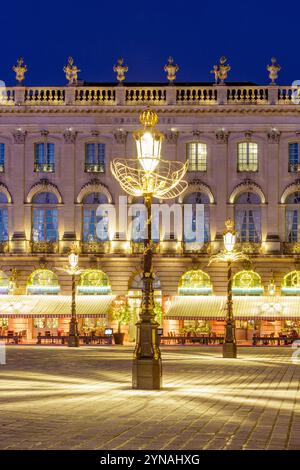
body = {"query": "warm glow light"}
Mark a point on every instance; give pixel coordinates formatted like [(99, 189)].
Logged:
[(229, 236), (148, 142), (73, 260)]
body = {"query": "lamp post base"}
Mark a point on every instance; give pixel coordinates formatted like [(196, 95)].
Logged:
[(229, 350), (73, 339), (147, 374)]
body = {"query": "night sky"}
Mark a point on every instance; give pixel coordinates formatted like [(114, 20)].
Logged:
[(195, 33)]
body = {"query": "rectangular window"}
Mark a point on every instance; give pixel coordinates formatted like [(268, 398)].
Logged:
[(90, 221), (196, 154), (248, 225), (44, 160), (45, 225), (292, 226), (2, 157), (247, 156), (3, 225), (95, 158), (294, 164)]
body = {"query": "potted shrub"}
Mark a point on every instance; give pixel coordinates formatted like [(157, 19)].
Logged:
[(120, 312)]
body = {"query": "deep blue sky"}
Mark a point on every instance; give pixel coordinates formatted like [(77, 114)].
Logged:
[(196, 33)]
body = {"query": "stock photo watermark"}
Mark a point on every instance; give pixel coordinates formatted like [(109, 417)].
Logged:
[(296, 353), (185, 221)]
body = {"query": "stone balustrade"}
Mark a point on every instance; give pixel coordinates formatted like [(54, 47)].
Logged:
[(176, 95)]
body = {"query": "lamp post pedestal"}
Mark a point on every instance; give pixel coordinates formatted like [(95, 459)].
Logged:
[(229, 345), (147, 368), (73, 339)]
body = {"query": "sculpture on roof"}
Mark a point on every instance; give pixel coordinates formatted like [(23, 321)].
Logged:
[(71, 71), (221, 71), (20, 69), (120, 70), (171, 70), (273, 70)]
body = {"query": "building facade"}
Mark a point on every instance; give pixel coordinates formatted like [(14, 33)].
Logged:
[(242, 143)]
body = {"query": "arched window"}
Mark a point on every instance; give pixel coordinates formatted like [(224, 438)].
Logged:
[(292, 217), (247, 282), (45, 217), (291, 283), (43, 281), (248, 217), (196, 155), (195, 282), (93, 281), (197, 221), (247, 156), (90, 219), (136, 282), (3, 218)]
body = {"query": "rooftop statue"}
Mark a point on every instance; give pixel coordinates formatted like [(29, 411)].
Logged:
[(20, 69), (71, 71), (171, 70), (273, 70), (221, 71), (120, 70)]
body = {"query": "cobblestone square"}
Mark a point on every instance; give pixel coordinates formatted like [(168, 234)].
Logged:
[(60, 398)]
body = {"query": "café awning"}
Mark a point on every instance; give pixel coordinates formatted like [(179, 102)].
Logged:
[(213, 307), (53, 306)]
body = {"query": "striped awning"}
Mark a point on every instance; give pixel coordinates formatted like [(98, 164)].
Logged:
[(244, 308), (53, 306)]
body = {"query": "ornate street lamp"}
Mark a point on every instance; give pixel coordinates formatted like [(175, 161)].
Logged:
[(148, 176), (73, 270), (229, 255)]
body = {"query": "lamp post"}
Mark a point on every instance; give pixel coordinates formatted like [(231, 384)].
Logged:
[(72, 269), (229, 255), (148, 176)]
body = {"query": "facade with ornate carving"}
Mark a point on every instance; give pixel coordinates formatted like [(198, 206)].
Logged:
[(242, 143)]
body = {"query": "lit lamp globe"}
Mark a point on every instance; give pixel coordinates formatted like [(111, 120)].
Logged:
[(73, 260), (229, 236), (148, 142)]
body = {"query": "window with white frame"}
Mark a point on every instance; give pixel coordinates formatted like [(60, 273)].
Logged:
[(44, 160), (196, 155), (95, 158), (247, 156), (294, 163), (293, 218), (45, 218), (90, 218), (248, 218)]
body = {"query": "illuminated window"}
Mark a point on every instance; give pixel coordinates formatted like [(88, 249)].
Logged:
[(95, 158), (292, 218), (248, 218), (45, 219), (3, 218), (291, 283), (195, 282), (247, 156), (90, 219), (2, 157), (247, 283), (196, 155), (93, 281), (294, 164), (44, 158), (43, 281)]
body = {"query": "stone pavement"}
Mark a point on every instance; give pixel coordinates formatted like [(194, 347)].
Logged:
[(61, 398)]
